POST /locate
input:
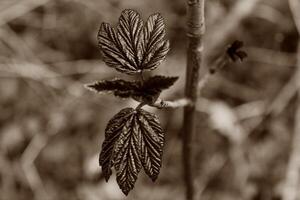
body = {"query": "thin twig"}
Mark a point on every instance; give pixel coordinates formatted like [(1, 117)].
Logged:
[(220, 62), (273, 15), (220, 34), (178, 103), (271, 57)]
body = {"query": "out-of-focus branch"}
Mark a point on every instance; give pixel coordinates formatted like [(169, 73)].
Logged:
[(273, 15), (17, 9), (278, 103), (292, 180), (220, 62), (225, 119), (250, 109), (219, 35), (27, 162), (283, 97), (295, 6), (211, 168), (271, 57)]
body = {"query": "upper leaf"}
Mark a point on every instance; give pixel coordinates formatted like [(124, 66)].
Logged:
[(134, 46), (129, 33), (133, 139), (155, 47), (114, 54)]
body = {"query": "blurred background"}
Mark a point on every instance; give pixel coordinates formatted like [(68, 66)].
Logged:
[(52, 128)]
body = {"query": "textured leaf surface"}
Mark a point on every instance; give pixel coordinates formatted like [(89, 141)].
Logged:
[(152, 87), (147, 91), (133, 139), (159, 82), (114, 54), (151, 144), (118, 87), (112, 133), (155, 47), (129, 32), (134, 46)]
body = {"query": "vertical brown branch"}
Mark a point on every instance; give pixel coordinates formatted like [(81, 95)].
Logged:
[(195, 31)]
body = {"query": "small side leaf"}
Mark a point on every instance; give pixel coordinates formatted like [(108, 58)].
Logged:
[(118, 87), (159, 82), (147, 91), (150, 90)]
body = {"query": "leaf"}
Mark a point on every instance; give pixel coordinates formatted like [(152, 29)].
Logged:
[(129, 33), (114, 54), (151, 89), (127, 162), (113, 131), (147, 91), (234, 52), (159, 82), (133, 139), (152, 143), (118, 87), (155, 48), (134, 46)]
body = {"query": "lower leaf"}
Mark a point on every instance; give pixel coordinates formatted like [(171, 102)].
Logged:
[(133, 139)]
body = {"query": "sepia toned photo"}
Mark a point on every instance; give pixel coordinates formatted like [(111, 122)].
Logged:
[(149, 100)]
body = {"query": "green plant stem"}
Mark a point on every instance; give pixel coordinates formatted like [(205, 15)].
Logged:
[(195, 31)]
